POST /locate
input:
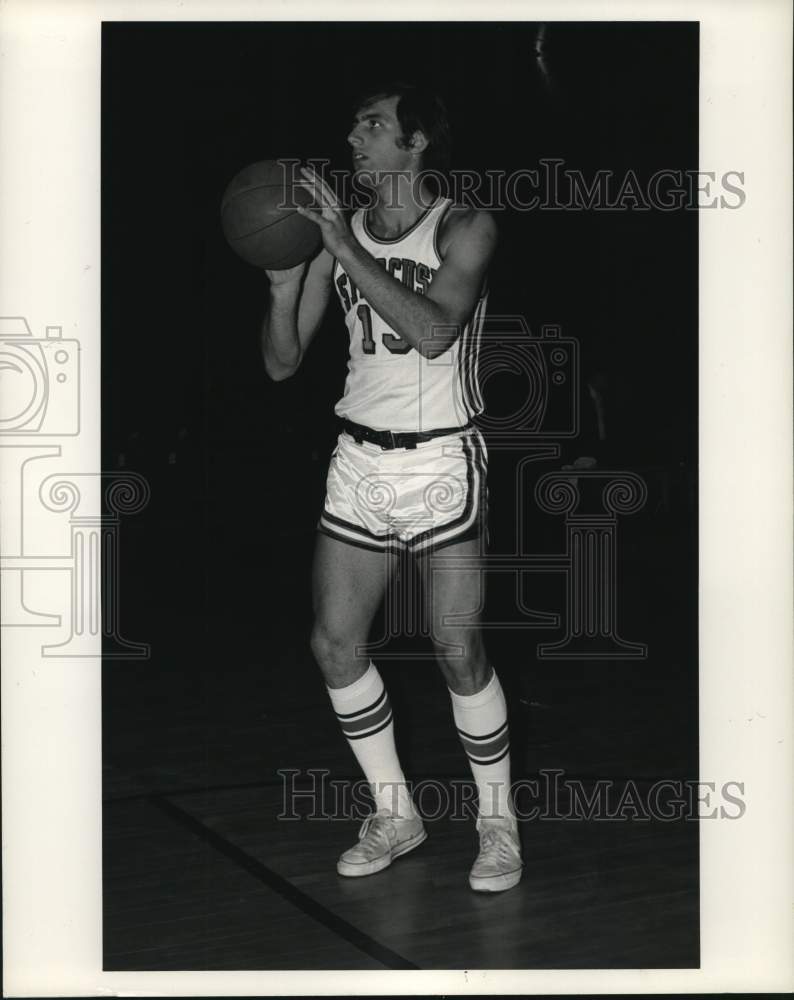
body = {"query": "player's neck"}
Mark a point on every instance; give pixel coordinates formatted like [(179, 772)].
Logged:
[(399, 205)]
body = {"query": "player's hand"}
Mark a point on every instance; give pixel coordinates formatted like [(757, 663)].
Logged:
[(326, 212), (289, 276)]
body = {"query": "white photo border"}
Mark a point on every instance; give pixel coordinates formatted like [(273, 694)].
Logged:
[(50, 252)]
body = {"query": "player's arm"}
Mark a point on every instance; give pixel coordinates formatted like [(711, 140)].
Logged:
[(432, 322), (298, 299)]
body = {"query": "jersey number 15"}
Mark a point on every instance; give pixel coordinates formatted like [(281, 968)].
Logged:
[(393, 343)]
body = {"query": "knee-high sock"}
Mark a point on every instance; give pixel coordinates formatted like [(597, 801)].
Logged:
[(364, 712), (481, 721)]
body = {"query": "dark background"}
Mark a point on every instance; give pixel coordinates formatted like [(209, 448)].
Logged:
[(215, 571), (185, 399)]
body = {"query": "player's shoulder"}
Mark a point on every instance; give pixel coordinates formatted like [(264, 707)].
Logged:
[(461, 221)]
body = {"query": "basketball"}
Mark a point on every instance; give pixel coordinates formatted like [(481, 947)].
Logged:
[(259, 217)]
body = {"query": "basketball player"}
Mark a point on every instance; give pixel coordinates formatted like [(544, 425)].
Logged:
[(409, 468)]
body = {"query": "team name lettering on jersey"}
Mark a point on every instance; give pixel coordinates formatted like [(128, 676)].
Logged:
[(415, 276)]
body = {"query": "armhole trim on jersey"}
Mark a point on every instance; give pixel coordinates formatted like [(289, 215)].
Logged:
[(468, 361), (441, 216), (356, 220)]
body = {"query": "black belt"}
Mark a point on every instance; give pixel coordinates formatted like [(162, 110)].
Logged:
[(396, 439)]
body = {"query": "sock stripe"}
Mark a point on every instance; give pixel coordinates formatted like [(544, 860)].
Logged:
[(493, 760), (486, 752), (365, 726), (371, 732), (363, 711), (365, 718), (480, 739)]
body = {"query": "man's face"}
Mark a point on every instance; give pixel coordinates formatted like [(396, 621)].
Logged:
[(374, 140)]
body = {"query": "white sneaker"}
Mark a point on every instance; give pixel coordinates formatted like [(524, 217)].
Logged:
[(498, 865), (382, 838)]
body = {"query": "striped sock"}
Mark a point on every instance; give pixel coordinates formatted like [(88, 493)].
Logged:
[(364, 712), (481, 721)]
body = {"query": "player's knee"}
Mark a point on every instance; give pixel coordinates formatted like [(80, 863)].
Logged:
[(456, 645), (462, 659), (331, 647), (460, 656), (322, 644)]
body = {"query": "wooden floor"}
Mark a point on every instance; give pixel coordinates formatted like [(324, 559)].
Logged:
[(210, 881), (199, 873)]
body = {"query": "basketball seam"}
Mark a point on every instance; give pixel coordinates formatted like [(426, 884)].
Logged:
[(261, 229), (271, 264), (246, 190)]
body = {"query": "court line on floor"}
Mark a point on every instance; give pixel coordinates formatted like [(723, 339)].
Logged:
[(284, 888), (189, 790)]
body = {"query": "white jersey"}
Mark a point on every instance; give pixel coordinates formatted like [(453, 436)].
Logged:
[(390, 386)]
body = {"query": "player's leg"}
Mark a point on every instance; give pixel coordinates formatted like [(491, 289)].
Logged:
[(349, 583), (454, 595), (454, 598)]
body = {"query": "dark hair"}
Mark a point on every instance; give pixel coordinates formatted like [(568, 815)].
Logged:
[(418, 110)]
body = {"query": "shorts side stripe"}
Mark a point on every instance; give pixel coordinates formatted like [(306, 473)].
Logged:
[(339, 526), (475, 478), (323, 530)]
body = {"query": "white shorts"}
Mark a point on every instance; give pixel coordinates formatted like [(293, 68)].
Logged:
[(412, 499)]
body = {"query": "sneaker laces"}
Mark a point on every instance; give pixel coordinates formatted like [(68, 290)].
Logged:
[(498, 840), (378, 826)]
